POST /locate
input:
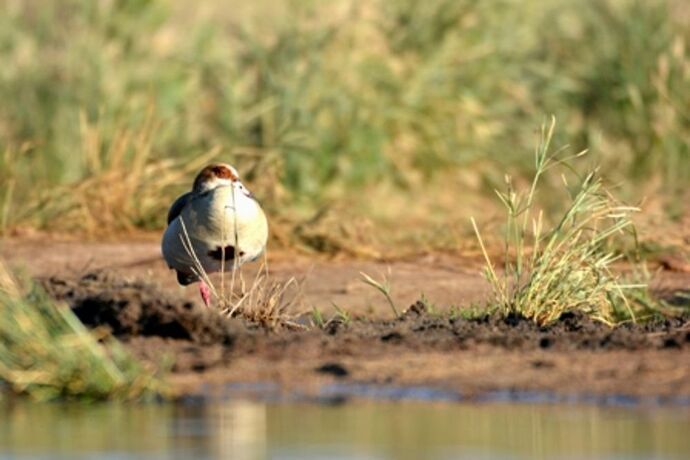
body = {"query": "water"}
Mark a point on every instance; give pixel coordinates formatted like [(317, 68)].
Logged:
[(365, 430)]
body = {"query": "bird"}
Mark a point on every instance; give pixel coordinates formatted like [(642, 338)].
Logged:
[(217, 225)]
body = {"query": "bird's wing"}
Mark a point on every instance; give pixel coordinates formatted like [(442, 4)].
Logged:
[(179, 205)]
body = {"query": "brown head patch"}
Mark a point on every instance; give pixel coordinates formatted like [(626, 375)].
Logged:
[(212, 172)]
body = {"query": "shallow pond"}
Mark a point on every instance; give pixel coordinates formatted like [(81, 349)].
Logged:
[(363, 430)]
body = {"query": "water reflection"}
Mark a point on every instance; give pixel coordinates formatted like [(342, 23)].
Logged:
[(251, 430)]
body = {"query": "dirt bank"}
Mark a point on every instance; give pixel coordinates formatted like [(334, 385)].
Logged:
[(575, 355)]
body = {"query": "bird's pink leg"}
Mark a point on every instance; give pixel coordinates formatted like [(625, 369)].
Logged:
[(205, 293)]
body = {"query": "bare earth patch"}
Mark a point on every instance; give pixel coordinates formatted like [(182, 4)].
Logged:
[(325, 282), (126, 288)]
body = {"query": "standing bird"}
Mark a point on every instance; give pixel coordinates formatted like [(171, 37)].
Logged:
[(222, 220)]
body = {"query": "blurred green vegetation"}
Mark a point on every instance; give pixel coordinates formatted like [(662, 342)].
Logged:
[(108, 106), (47, 353)]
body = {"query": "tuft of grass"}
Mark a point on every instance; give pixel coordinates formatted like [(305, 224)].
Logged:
[(266, 303), (469, 313), (550, 270), (47, 353), (341, 316), (317, 319), (269, 304)]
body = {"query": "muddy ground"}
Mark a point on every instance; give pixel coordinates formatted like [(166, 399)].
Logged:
[(126, 288), (324, 281)]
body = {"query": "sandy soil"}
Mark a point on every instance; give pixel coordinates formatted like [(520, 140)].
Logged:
[(324, 282), (136, 297)]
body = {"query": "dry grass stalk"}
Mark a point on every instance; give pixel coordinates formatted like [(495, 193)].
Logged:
[(267, 303), (384, 287)]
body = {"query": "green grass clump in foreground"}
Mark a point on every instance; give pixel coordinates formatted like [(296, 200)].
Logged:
[(550, 270), (47, 353)]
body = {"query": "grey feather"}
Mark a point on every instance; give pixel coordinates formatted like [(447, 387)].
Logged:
[(179, 205)]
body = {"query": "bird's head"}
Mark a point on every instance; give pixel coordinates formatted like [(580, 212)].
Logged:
[(214, 176), (218, 175)]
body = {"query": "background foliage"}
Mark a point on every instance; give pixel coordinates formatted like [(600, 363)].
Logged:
[(109, 106)]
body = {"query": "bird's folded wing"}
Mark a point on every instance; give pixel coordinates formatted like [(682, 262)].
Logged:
[(179, 205)]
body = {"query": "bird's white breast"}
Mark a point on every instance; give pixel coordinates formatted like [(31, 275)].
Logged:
[(217, 219)]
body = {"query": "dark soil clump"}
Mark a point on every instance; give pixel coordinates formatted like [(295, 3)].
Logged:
[(573, 331), (334, 369), (131, 308)]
